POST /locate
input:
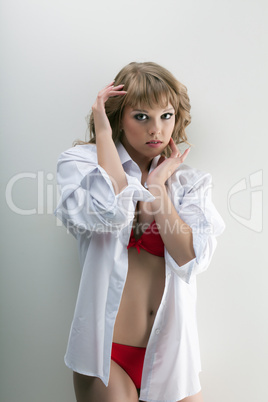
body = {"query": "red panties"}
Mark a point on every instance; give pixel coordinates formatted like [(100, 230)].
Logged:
[(130, 358)]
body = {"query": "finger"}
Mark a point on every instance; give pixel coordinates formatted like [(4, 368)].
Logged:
[(174, 150), (119, 86), (116, 93), (105, 90), (118, 90), (110, 91), (107, 87), (110, 85), (185, 154)]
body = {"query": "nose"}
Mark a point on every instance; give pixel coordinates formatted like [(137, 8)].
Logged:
[(154, 128)]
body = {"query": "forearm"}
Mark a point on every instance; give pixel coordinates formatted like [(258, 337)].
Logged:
[(176, 234), (109, 160), (107, 154)]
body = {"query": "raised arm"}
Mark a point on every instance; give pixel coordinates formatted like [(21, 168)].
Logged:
[(108, 157), (176, 234)]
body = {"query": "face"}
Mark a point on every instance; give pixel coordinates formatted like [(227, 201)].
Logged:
[(146, 131)]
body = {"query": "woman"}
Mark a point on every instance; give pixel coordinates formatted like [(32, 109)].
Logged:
[(145, 226)]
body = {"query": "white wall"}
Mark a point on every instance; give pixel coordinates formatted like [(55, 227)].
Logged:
[(56, 55)]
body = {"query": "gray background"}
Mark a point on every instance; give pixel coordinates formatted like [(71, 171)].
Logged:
[(55, 57)]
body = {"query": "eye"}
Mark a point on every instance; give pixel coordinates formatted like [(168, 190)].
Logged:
[(167, 116), (141, 117)]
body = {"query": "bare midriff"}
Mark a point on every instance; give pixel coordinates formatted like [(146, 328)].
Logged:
[(141, 298)]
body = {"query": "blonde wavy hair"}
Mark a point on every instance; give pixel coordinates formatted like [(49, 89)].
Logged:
[(146, 84)]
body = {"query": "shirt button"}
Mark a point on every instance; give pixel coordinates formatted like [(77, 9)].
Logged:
[(157, 331)]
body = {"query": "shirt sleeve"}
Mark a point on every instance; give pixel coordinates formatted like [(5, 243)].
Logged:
[(195, 207), (87, 198)]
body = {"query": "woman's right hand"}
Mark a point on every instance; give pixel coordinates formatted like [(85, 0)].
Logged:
[(101, 121)]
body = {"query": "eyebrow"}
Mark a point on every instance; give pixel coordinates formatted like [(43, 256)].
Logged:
[(146, 111)]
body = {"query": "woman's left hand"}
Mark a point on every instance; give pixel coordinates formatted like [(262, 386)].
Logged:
[(167, 166)]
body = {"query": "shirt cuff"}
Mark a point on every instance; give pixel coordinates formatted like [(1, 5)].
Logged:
[(113, 209), (202, 239)]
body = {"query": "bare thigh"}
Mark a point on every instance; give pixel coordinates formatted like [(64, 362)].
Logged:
[(91, 389), (194, 398)]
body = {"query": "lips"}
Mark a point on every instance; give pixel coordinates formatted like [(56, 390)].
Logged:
[(154, 143)]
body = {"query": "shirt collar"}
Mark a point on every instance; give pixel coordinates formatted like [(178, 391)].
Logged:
[(125, 157), (123, 154)]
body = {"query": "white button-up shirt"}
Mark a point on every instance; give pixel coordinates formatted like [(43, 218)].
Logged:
[(101, 221)]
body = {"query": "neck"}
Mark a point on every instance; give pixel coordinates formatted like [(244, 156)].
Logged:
[(144, 165), (143, 162)]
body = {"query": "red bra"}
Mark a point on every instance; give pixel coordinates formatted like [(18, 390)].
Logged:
[(150, 241)]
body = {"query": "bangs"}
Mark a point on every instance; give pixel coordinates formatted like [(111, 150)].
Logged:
[(146, 89)]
